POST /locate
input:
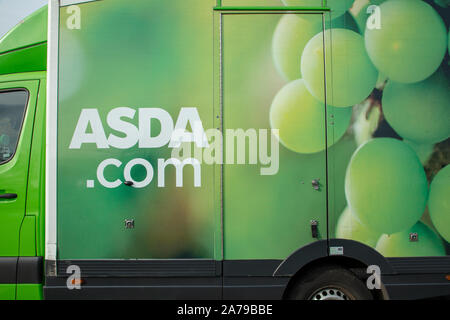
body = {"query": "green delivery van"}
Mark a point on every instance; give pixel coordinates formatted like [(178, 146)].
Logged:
[(234, 149)]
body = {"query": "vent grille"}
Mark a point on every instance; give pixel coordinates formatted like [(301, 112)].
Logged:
[(142, 268), (420, 265)]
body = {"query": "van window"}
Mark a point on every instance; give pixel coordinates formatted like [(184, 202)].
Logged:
[(12, 110)]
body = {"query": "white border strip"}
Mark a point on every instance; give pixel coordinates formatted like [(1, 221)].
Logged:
[(51, 132), (70, 2)]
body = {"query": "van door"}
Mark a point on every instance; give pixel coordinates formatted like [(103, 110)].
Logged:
[(275, 173), (17, 107), (160, 208)]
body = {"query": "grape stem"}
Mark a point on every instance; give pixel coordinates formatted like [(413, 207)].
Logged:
[(438, 159), (375, 102), (441, 153)]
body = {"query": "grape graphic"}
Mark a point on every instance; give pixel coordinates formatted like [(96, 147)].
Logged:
[(439, 203), (386, 185), (423, 151), (290, 38), (298, 115), (293, 33), (366, 121), (397, 80), (349, 227), (351, 77), (411, 43), (419, 111), (400, 245), (338, 7)]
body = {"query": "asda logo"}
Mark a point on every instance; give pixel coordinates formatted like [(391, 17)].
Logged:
[(251, 146), (169, 134)]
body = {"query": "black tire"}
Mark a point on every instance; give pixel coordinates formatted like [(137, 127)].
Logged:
[(330, 283)]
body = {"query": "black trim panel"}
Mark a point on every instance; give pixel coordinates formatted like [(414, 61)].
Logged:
[(250, 268), (420, 265), (302, 257), (30, 270), (143, 268), (21, 270), (235, 288), (242, 280), (416, 286), (204, 288), (8, 268), (254, 288)]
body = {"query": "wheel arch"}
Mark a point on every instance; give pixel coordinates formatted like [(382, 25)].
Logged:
[(355, 257)]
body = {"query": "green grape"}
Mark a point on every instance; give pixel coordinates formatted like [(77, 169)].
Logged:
[(423, 151), (338, 7), (350, 75), (411, 43), (399, 244), (300, 119), (290, 38), (349, 227), (439, 203), (386, 186), (419, 111), (293, 33)]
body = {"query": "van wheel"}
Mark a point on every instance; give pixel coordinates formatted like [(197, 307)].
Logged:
[(330, 283)]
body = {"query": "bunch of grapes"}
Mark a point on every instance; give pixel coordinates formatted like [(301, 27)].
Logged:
[(386, 69)]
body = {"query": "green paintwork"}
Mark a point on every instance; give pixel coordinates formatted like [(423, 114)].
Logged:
[(7, 291), (36, 172), (28, 59), (29, 159), (13, 175), (23, 50), (32, 30), (27, 244), (29, 292)]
